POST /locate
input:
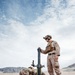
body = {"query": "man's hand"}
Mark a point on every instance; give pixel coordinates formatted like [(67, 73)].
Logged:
[(39, 49)]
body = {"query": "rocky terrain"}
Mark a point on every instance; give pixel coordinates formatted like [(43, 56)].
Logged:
[(70, 68), (17, 69), (11, 69)]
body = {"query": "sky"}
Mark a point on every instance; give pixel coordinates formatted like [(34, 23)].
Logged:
[(24, 23)]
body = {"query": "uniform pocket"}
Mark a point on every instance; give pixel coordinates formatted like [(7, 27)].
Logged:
[(55, 58), (56, 65)]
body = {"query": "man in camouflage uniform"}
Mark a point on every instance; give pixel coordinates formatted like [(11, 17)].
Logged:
[(24, 72), (29, 71), (53, 51)]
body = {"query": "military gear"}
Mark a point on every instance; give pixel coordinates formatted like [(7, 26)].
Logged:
[(30, 71), (39, 66), (47, 37), (24, 72), (53, 51), (52, 63), (52, 46)]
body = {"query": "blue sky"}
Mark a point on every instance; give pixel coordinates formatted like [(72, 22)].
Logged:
[(24, 23), (24, 11)]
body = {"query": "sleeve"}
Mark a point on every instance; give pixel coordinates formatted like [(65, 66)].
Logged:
[(57, 48), (46, 50)]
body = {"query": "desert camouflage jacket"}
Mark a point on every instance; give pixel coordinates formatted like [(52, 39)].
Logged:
[(52, 47)]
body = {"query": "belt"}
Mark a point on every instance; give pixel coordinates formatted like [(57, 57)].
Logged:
[(51, 54)]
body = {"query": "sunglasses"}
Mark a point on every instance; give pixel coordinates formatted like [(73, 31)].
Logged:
[(47, 39)]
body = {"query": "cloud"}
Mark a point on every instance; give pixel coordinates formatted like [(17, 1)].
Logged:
[(13, 41), (19, 42), (61, 26)]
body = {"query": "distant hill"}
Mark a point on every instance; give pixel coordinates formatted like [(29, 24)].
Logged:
[(11, 69), (70, 68), (18, 69)]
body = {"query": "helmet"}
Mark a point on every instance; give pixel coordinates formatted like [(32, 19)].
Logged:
[(47, 37), (30, 69)]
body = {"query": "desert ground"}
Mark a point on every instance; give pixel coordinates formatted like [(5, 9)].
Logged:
[(63, 73)]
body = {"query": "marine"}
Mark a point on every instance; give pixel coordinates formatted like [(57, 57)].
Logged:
[(29, 71), (53, 51)]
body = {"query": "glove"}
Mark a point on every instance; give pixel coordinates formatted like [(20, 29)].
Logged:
[(39, 48)]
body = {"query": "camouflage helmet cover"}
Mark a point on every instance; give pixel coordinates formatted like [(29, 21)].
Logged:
[(30, 69), (47, 37)]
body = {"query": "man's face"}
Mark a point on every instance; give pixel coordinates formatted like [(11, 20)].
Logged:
[(47, 39)]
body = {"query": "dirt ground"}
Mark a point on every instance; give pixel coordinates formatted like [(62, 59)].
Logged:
[(63, 73)]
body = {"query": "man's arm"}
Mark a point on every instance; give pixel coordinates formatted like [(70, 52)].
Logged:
[(46, 50)]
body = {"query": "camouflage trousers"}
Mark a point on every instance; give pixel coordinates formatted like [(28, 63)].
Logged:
[(53, 65)]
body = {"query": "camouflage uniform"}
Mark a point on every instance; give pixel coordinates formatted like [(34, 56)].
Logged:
[(24, 72), (29, 71), (53, 51)]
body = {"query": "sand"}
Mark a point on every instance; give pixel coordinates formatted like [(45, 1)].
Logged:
[(63, 73), (9, 73)]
